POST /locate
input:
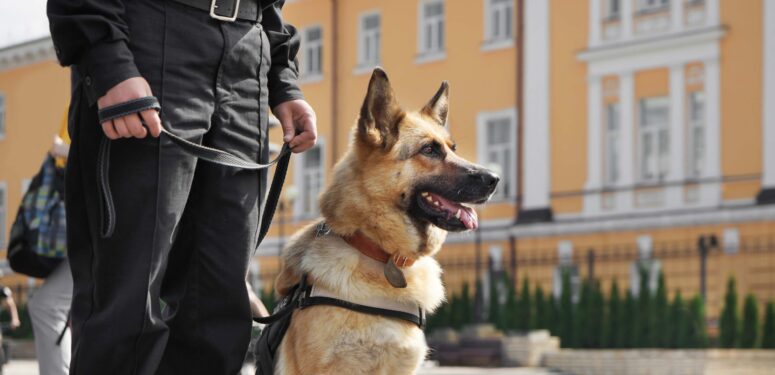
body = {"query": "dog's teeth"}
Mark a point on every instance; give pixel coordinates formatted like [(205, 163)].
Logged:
[(425, 194), (457, 214), (429, 199), (437, 203)]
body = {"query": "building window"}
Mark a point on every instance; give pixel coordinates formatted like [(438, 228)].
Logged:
[(499, 21), (3, 212), (312, 56), (696, 133), (2, 115), (369, 41), (566, 273), (653, 5), (431, 27), (612, 144), (497, 144), (654, 139), (645, 270), (310, 180), (612, 9)]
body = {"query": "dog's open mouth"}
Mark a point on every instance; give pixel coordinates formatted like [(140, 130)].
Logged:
[(447, 214)]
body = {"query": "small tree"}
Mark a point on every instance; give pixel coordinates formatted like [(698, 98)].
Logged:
[(494, 315), (510, 309), (750, 332), (553, 315), (629, 318), (678, 322), (582, 319), (541, 311), (660, 334), (729, 322), (697, 334), (768, 329), (596, 316), (645, 312), (567, 334), (613, 326), (456, 312), (524, 307), (466, 305)]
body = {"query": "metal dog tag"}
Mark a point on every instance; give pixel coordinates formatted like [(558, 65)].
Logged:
[(394, 275)]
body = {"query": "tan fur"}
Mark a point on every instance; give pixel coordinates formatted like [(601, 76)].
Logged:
[(370, 191)]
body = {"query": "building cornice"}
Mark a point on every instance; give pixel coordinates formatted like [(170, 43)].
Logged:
[(26, 53)]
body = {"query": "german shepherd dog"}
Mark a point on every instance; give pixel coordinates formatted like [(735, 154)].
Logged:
[(399, 189)]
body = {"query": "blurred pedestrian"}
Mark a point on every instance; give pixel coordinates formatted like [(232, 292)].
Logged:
[(6, 300), (49, 306)]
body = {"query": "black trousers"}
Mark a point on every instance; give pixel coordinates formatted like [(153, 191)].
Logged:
[(165, 294)]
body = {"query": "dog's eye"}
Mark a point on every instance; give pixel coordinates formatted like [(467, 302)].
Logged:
[(428, 150)]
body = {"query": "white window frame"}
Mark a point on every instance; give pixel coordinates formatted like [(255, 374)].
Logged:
[(25, 184), (492, 41), (482, 123), (3, 214), (425, 54), (365, 63), (3, 110), (612, 156), (696, 160), (660, 162), (300, 174), (306, 47), (648, 6), (609, 14)]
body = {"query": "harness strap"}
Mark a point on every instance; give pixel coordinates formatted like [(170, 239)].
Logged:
[(302, 298), (202, 152)]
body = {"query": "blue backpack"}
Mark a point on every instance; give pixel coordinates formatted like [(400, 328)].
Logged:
[(38, 240)]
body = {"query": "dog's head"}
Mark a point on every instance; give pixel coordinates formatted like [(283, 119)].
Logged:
[(402, 174)]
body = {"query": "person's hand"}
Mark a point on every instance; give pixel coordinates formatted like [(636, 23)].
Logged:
[(297, 115), (130, 125), (15, 323)]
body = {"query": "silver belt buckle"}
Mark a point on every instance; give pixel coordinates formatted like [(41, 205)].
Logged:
[(231, 18)]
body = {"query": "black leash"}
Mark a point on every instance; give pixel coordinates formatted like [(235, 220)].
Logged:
[(300, 298), (202, 152)]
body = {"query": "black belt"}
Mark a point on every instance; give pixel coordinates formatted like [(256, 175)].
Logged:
[(223, 10)]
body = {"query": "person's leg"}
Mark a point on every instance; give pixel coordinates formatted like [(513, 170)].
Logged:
[(210, 319), (117, 323), (48, 309)]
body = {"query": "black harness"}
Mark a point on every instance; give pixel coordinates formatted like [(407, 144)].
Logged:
[(300, 298)]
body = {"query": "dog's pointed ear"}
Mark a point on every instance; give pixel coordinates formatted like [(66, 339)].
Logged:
[(380, 113), (438, 107)]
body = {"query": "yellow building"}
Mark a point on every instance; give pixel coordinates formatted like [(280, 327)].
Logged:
[(34, 94), (624, 130), (640, 127)]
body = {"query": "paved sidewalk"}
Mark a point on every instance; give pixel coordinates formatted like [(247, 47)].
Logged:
[(30, 367)]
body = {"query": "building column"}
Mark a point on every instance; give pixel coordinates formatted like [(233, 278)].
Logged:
[(712, 12), (592, 204), (595, 12), (677, 15), (675, 196), (626, 16), (711, 192), (624, 201), (536, 164), (767, 194)]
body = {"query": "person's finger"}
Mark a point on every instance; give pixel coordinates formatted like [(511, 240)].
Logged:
[(303, 142), (109, 130), (152, 121), (121, 128), (286, 122), (135, 126)]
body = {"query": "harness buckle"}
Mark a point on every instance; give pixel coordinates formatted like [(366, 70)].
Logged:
[(231, 18)]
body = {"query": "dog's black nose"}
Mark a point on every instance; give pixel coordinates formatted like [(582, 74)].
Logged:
[(487, 178)]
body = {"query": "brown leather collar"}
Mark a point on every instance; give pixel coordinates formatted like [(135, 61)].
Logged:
[(369, 248)]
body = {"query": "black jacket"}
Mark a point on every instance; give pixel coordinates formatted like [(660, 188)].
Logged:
[(93, 36)]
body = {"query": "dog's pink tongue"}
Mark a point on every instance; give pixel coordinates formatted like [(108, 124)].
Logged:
[(469, 218)]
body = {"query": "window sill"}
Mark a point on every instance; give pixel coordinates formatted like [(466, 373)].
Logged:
[(364, 68), (429, 57), (497, 44), (314, 78)]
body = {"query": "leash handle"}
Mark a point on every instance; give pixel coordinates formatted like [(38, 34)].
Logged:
[(210, 154)]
